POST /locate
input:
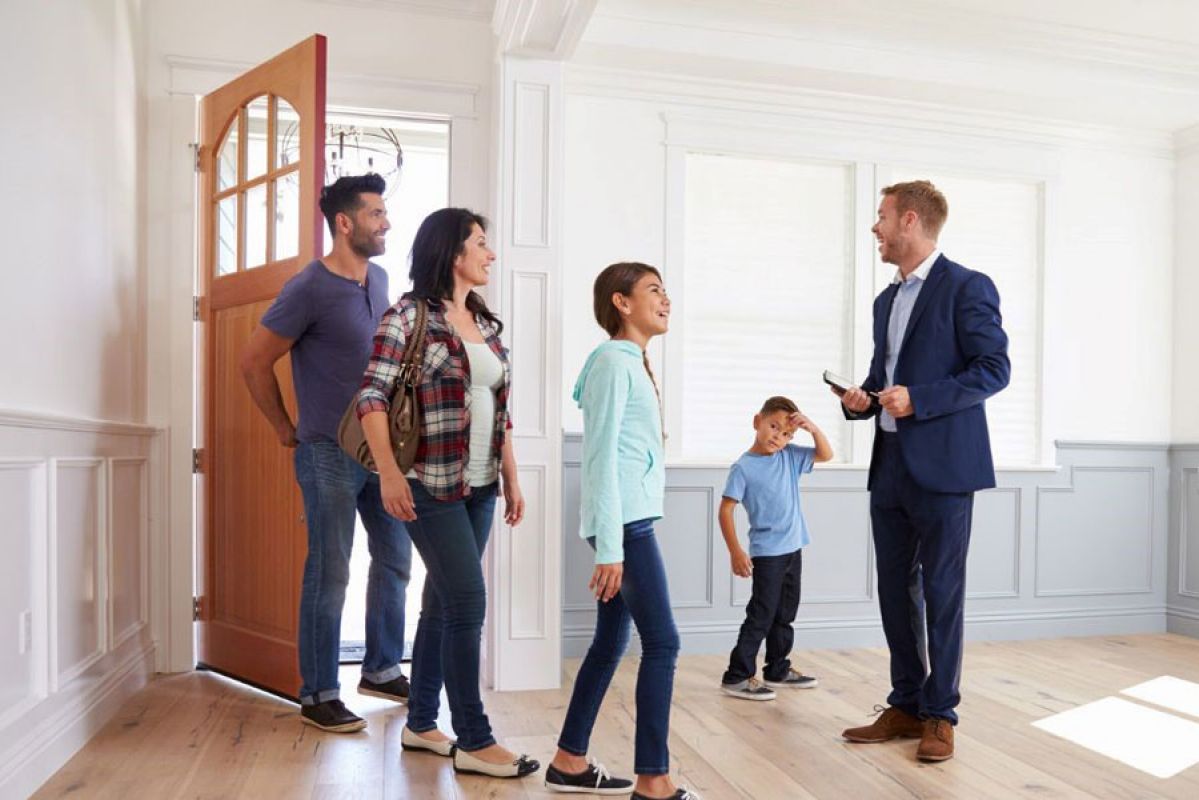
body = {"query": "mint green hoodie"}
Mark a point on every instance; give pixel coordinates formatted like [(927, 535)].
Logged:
[(624, 472)]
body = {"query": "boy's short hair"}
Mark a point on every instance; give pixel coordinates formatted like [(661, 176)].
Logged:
[(779, 403)]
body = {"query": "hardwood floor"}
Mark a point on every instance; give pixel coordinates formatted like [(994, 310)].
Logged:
[(200, 736)]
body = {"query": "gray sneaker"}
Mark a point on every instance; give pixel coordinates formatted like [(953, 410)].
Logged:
[(793, 680), (748, 690)]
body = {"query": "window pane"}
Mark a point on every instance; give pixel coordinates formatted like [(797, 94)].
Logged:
[(227, 160), (287, 216), (287, 134), (256, 226), (767, 285), (994, 227), (226, 236), (256, 114)]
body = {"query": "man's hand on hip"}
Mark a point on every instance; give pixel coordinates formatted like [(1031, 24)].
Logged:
[(896, 402)]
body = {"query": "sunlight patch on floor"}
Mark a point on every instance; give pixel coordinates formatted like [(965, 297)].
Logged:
[(1152, 741)]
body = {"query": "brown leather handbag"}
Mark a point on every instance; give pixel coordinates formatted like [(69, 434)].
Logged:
[(403, 416)]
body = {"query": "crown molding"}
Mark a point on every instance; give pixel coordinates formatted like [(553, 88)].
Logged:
[(541, 28), (478, 10)]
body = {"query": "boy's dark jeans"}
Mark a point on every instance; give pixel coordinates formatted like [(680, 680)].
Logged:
[(769, 614)]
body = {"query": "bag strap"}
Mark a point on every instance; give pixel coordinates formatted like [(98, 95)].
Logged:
[(414, 351)]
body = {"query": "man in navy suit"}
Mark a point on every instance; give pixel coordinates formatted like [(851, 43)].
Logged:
[(939, 353)]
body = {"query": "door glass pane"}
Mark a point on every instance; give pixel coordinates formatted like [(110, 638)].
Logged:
[(227, 160), (256, 114), (256, 226), (226, 236), (287, 134), (287, 216)]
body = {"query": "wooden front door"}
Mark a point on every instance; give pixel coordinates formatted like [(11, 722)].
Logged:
[(261, 172)]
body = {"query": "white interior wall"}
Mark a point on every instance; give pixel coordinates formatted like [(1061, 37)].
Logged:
[(79, 469), (71, 137), (1185, 366)]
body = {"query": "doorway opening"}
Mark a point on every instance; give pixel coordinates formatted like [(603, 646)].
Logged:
[(358, 142)]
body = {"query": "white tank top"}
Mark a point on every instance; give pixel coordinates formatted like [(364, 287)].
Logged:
[(486, 375)]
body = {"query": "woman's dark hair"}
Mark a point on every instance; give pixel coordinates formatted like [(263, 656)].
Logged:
[(439, 240), (344, 196), (621, 277)]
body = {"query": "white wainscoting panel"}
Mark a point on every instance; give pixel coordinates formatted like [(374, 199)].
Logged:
[(78, 565), (993, 563), (75, 606)]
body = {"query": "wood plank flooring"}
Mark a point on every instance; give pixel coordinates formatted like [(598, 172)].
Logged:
[(198, 735)]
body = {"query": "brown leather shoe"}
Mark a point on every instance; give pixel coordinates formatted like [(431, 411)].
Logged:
[(937, 742), (892, 723)]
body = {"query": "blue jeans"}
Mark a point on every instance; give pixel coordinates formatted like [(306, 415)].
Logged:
[(334, 487), (643, 600), (450, 537), (920, 544)]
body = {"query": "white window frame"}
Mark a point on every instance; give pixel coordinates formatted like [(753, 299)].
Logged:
[(873, 163)]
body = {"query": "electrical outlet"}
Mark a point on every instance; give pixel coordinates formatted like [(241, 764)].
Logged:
[(26, 632)]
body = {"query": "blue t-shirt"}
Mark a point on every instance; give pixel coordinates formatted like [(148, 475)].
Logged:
[(768, 487), (333, 321)]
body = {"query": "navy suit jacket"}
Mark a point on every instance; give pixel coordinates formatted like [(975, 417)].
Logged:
[(952, 358)]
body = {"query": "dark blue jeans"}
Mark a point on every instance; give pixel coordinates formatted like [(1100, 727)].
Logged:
[(920, 542), (772, 607), (450, 537), (644, 601), (334, 487)]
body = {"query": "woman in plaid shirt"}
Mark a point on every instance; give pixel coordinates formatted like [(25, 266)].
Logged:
[(463, 461)]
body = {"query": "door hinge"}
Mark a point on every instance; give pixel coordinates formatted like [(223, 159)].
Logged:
[(197, 460), (195, 146), (195, 609), (195, 308)]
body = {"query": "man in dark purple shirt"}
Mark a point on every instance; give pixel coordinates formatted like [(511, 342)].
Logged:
[(326, 318)]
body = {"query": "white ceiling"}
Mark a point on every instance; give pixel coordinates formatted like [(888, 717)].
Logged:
[(1128, 63)]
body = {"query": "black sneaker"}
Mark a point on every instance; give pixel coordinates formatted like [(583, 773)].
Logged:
[(593, 780), (395, 689), (681, 794), (792, 680), (748, 690), (332, 716)]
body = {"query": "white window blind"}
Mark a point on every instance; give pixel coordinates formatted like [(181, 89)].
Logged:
[(765, 300), (994, 227)]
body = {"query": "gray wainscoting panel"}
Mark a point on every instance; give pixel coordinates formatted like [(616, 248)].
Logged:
[(1080, 549), (1183, 572), (1096, 536)]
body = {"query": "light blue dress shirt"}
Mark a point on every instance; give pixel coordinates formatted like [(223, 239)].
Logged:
[(897, 325)]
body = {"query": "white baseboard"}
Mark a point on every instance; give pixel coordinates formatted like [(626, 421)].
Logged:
[(68, 720)]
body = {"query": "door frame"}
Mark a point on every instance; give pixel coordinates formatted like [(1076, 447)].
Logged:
[(464, 104)]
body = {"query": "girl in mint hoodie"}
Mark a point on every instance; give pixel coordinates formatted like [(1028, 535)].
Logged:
[(623, 483)]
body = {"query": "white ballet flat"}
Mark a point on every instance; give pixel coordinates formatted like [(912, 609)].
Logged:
[(522, 766), (413, 741)]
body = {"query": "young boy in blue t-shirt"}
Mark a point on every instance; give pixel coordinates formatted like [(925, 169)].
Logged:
[(766, 481)]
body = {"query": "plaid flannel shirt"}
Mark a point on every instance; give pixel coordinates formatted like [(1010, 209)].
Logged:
[(444, 400)]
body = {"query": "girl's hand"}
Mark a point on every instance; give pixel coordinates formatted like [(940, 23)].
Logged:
[(605, 581), (397, 497), (743, 566), (514, 503)]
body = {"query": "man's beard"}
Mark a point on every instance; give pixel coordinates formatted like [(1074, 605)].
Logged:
[(365, 245)]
